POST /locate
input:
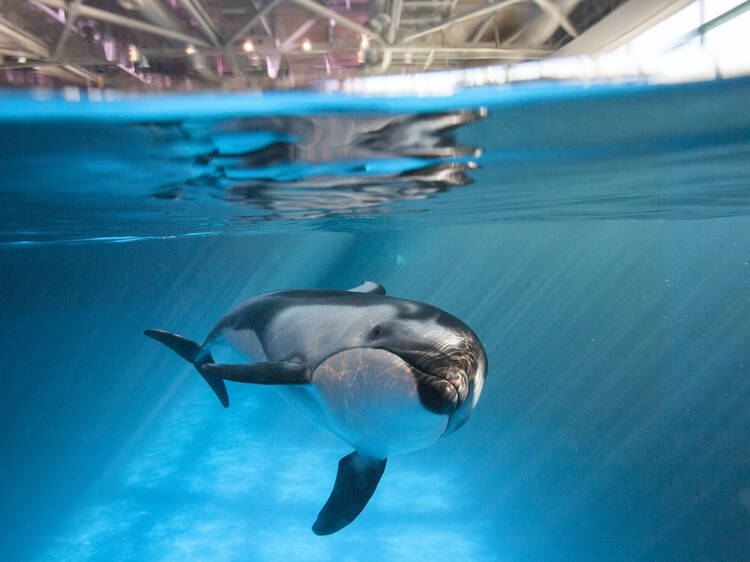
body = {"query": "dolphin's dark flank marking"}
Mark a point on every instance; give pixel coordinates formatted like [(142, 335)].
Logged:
[(384, 374)]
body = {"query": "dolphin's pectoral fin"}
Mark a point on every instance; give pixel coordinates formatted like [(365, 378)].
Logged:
[(357, 478), (268, 372), (369, 287), (191, 351)]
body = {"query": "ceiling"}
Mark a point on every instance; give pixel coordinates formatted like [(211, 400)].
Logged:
[(182, 45)]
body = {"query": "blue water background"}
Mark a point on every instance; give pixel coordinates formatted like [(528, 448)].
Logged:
[(607, 273)]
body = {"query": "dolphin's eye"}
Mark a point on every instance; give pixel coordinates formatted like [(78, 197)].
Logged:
[(375, 332)]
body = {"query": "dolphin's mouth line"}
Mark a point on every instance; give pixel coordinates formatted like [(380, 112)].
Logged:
[(419, 374), (453, 383)]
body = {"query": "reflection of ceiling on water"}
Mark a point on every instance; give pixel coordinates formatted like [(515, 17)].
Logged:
[(229, 44), (317, 166)]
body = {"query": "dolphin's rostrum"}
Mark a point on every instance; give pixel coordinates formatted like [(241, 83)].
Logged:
[(385, 375)]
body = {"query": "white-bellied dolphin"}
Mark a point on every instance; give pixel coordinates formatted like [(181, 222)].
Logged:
[(386, 375)]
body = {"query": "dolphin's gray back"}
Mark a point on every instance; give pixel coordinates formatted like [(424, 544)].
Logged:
[(309, 325)]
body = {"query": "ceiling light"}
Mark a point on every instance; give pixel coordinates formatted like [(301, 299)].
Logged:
[(190, 50), (365, 41), (306, 45), (133, 53), (248, 46)]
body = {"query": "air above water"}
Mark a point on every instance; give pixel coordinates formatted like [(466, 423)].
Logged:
[(595, 237)]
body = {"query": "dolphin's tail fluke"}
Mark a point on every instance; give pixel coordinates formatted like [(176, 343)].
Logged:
[(216, 384), (191, 351), (185, 348)]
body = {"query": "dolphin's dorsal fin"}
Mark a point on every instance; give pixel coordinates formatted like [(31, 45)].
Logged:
[(369, 287), (267, 372), (357, 478)]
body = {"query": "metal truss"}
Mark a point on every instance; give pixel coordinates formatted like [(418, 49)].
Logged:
[(230, 44)]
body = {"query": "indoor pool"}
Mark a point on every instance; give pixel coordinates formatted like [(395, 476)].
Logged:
[(594, 236)]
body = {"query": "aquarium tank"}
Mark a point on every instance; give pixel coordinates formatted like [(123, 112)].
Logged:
[(380, 280)]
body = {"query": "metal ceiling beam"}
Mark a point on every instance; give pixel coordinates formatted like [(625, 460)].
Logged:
[(321, 48), (201, 17), (10, 52), (82, 72), (291, 41), (621, 25), (41, 50), (22, 38), (103, 15), (338, 18), (157, 13), (430, 58), (264, 21), (56, 70), (412, 4), (78, 62), (468, 51), (541, 28), (396, 9), (478, 12), (473, 50), (72, 14), (480, 30), (199, 14), (253, 20), (68, 74), (554, 11)]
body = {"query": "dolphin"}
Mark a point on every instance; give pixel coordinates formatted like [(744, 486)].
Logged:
[(385, 375)]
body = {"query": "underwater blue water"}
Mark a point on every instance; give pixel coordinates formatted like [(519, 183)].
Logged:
[(595, 237)]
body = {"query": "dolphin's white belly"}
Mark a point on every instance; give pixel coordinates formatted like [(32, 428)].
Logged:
[(366, 397), (369, 398)]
